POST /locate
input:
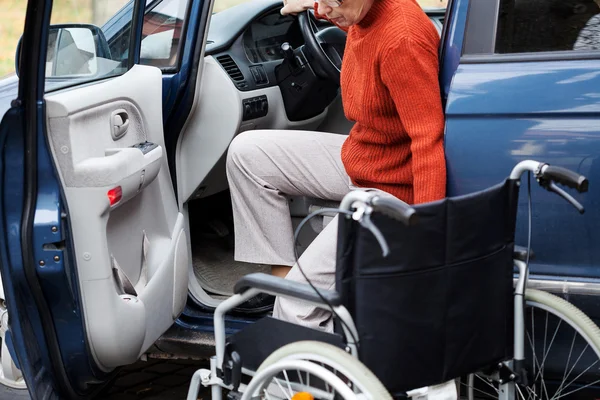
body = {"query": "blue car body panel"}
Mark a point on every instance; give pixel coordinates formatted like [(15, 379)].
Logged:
[(500, 111), (31, 336), (25, 336), (52, 243), (453, 35), (500, 114)]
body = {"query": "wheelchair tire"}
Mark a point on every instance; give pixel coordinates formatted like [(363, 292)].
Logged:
[(560, 314), (334, 358)]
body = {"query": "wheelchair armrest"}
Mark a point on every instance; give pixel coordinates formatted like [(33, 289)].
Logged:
[(520, 253), (283, 287)]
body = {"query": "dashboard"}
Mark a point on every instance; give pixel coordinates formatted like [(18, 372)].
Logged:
[(246, 41), (264, 37), (254, 20)]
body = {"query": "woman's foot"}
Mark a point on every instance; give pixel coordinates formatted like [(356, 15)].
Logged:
[(280, 270), (258, 304), (263, 302)]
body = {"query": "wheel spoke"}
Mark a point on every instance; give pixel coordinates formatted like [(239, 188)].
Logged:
[(487, 382), (579, 388), (574, 365), (287, 380), (532, 393), (565, 376), (478, 390), (520, 392), (534, 357), (282, 389), (583, 372), (535, 360), (540, 372), (548, 351), (544, 359)]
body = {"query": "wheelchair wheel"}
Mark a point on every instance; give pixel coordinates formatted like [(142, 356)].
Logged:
[(314, 370), (562, 351)]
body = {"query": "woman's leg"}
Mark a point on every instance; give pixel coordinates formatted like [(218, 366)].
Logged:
[(318, 264), (263, 167)]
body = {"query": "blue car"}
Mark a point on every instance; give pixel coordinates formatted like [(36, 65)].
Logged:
[(116, 232)]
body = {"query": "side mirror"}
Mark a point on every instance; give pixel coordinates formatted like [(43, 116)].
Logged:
[(74, 51)]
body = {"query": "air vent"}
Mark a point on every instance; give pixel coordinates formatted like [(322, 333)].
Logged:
[(231, 67)]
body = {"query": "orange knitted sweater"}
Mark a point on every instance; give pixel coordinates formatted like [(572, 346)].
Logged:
[(390, 88)]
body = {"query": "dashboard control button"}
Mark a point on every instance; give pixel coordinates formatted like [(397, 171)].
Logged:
[(255, 107), (259, 74)]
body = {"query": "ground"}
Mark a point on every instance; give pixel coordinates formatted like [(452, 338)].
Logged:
[(151, 380)]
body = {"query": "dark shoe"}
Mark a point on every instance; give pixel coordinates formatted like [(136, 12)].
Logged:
[(258, 304)]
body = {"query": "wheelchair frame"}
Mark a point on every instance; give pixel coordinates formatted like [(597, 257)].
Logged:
[(364, 202)]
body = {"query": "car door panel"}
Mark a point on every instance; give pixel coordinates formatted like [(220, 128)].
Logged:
[(552, 119), (131, 255)]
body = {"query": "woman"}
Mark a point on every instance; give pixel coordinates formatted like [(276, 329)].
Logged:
[(389, 86)]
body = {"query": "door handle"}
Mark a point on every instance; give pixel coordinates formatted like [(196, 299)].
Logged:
[(119, 122)]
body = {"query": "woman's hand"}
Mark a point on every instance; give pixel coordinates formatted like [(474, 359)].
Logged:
[(294, 7)]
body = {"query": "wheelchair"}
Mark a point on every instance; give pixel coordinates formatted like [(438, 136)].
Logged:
[(431, 301)]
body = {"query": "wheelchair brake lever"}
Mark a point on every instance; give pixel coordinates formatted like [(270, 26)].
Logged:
[(554, 188), (366, 222)]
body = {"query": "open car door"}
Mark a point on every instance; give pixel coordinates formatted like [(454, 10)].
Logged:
[(94, 250)]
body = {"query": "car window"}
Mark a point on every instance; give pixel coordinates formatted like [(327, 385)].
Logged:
[(92, 41), (548, 25), (221, 5), (162, 32), (79, 50)]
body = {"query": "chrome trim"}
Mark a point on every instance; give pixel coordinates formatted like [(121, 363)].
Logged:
[(564, 286)]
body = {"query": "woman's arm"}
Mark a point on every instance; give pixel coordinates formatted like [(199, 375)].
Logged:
[(410, 72), (294, 7)]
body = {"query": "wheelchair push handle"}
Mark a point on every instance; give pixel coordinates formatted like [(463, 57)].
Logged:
[(395, 208), (548, 175), (361, 203), (365, 201), (565, 177)]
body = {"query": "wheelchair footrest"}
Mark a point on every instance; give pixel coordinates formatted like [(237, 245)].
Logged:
[(259, 340)]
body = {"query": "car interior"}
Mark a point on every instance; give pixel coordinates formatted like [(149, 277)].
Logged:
[(142, 241), (247, 84)]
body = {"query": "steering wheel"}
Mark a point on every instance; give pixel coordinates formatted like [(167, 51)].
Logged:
[(325, 47)]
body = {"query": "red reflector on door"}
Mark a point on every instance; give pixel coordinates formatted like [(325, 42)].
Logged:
[(115, 195)]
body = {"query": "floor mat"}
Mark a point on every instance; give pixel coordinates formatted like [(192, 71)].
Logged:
[(214, 266)]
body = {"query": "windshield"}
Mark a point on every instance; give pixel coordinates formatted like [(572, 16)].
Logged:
[(221, 5)]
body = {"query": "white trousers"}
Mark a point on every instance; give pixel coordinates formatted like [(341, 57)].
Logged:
[(262, 167)]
